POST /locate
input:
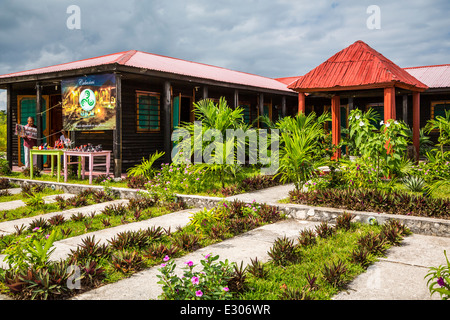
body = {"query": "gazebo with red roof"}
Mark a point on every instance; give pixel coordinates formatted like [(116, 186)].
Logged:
[(355, 69)]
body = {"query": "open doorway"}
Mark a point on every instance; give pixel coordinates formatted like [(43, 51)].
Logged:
[(181, 110)]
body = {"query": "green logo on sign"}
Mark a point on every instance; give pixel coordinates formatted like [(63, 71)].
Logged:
[(87, 99)]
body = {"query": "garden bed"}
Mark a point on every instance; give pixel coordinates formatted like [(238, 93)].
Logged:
[(131, 251)]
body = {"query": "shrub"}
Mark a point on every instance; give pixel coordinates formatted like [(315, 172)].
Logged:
[(414, 183), (333, 273), (211, 283), (439, 279), (284, 252), (127, 262), (374, 200)]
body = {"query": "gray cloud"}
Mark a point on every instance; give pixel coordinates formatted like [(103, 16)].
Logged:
[(271, 38)]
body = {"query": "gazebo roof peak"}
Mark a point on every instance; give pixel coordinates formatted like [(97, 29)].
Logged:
[(356, 67)]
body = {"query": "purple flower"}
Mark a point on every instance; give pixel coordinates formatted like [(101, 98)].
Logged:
[(195, 280), (225, 205), (441, 282), (199, 293)]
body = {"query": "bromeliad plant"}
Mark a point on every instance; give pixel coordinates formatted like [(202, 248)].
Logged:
[(211, 283)]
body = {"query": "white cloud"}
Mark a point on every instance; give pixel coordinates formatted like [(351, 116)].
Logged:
[(270, 38)]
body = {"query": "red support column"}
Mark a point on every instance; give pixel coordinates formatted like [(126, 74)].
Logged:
[(301, 103), (416, 122), (389, 104), (336, 124)]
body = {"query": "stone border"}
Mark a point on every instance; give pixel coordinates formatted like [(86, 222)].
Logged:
[(419, 225)]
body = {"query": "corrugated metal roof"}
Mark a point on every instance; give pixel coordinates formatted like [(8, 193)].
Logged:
[(355, 66), (288, 80), (160, 63), (437, 76)]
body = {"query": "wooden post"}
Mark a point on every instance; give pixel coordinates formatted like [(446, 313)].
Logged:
[(261, 106), (39, 163), (283, 106), (301, 103), (389, 103), (117, 134), (205, 93), (416, 123), (9, 126), (167, 121), (350, 104), (336, 124), (405, 108), (236, 99)]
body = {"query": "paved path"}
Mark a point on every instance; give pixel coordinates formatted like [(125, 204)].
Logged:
[(11, 205), (270, 195)]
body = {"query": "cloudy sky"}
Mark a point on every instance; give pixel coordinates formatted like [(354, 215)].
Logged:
[(273, 38)]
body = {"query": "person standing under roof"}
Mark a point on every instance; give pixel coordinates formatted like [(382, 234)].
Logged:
[(29, 143)]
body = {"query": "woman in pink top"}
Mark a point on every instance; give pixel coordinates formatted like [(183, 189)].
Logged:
[(28, 144)]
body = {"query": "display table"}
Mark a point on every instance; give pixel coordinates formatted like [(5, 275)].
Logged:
[(90, 155), (53, 152)]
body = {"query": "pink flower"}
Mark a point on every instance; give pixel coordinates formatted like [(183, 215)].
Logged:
[(36, 229), (199, 293), (166, 258), (163, 265), (195, 280), (189, 263), (207, 256), (226, 289)]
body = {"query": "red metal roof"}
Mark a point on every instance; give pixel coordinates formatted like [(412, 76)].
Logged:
[(156, 62), (437, 76), (288, 80), (357, 66)]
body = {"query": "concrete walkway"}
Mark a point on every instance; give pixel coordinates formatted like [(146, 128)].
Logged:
[(11, 205)]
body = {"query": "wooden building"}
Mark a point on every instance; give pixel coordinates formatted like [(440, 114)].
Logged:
[(151, 94)]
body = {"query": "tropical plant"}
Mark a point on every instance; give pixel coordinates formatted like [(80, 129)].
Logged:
[(301, 152), (383, 149), (443, 125), (211, 283), (439, 279), (414, 183), (145, 168)]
